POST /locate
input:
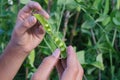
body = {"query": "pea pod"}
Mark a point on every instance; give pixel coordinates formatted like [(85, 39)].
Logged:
[(57, 40)]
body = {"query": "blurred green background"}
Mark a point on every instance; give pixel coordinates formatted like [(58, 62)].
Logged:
[(91, 26)]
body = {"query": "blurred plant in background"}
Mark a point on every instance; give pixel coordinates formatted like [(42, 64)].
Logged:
[(91, 26)]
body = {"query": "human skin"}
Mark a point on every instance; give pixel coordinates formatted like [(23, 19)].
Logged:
[(72, 69), (27, 35)]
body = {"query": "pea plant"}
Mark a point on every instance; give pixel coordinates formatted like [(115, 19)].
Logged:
[(92, 27)]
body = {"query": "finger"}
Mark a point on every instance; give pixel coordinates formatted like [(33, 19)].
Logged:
[(71, 57), (43, 12), (39, 31), (72, 65), (46, 66), (27, 24), (81, 72), (59, 68), (26, 10), (63, 61)]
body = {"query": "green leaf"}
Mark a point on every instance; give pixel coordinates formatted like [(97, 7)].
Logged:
[(106, 9), (72, 5), (31, 58), (116, 21), (24, 1), (96, 4), (46, 1), (118, 4), (81, 57), (98, 65), (99, 58), (88, 25), (106, 21), (99, 62)]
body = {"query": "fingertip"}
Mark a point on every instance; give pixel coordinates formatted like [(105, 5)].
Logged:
[(33, 20), (69, 49), (36, 5), (56, 53)]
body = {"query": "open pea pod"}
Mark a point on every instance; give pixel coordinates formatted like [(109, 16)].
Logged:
[(57, 40)]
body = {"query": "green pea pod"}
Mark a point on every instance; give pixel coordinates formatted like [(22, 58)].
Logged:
[(57, 40)]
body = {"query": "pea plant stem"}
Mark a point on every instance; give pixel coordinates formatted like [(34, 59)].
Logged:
[(49, 6), (115, 33), (111, 64), (74, 28), (66, 24), (61, 15)]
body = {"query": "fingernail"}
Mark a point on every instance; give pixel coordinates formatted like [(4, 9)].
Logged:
[(56, 53)]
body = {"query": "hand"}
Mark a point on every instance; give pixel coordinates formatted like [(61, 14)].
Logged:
[(70, 69), (46, 66), (28, 33)]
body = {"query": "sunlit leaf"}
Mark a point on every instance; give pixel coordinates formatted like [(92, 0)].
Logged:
[(81, 57)]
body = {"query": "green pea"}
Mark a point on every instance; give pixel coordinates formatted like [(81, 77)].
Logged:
[(56, 39), (46, 25), (61, 44)]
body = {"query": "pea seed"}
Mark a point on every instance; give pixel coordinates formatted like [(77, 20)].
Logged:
[(61, 44), (46, 25), (56, 39)]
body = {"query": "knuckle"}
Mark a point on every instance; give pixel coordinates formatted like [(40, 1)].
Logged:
[(25, 24)]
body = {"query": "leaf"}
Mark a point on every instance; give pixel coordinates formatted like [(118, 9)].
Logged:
[(96, 4), (116, 21), (88, 24), (24, 1), (46, 1), (106, 9), (89, 71), (99, 62), (99, 58), (31, 58), (118, 4), (98, 65), (81, 57), (72, 5), (106, 21), (100, 19)]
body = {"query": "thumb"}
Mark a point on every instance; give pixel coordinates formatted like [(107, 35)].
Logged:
[(46, 66), (27, 24)]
